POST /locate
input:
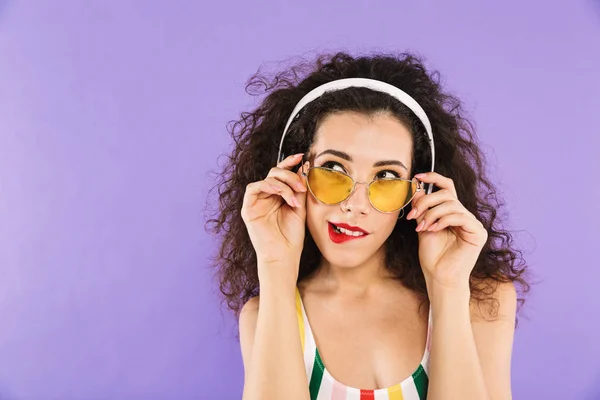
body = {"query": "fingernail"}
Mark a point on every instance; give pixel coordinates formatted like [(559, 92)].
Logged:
[(298, 155), (421, 225), (300, 187), (419, 176), (412, 213), (295, 202), (432, 227)]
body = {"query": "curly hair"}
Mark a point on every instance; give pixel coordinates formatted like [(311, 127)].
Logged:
[(257, 134)]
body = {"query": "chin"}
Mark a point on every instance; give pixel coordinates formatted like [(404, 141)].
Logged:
[(346, 255), (346, 261)]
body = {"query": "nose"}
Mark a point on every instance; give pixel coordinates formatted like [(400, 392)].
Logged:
[(358, 201)]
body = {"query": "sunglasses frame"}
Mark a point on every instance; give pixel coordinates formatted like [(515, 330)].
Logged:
[(368, 184)]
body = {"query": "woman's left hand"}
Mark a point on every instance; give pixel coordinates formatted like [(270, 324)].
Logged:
[(450, 237)]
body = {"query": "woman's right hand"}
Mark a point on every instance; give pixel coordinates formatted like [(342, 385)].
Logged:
[(274, 211)]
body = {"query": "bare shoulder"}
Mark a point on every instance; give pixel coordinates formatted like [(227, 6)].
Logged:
[(250, 308), (493, 323), (247, 319), (247, 327), (499, 304)]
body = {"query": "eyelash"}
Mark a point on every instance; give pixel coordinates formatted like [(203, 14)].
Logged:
[(329, 164)]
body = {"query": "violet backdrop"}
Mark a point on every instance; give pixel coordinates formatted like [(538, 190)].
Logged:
[(113, 113)]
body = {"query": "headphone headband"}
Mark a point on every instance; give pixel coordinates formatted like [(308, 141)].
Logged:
[(372, 84)]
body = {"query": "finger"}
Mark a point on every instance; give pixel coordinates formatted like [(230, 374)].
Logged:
[(469, 225), (288, 177), (416, 198), (283, 190), (432, 215), (256, 190), (438, 180), (427, 201), (251, 195), (260, 190), (290, 161)]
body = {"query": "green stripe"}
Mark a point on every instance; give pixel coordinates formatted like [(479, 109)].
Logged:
[(421, 382), (316, 376)]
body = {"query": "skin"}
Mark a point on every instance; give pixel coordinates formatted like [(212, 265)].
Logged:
[(356, 309), (352, 292)]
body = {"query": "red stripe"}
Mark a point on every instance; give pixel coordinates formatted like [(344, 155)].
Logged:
[(367, 395)]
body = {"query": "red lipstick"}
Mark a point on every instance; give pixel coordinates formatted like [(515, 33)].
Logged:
[(338, 236)]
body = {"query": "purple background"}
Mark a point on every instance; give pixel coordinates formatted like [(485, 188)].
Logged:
[(112, 113)]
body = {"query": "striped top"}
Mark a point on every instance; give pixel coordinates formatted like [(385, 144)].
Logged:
[(323, 386)]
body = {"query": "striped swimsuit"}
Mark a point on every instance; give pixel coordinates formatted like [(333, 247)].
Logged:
[(323, 386)]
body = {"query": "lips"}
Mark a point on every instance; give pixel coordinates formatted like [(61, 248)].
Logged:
[(351, 228), (340, 236)]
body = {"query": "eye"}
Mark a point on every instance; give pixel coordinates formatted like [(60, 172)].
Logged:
[(332, 165), (387, 174)]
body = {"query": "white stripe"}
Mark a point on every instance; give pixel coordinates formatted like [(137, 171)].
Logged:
[(409, 389), (382, 395), (339, 391), (325, 389), (310, 348), (352, 394)]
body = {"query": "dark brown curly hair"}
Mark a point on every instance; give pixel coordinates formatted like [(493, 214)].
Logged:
[(257, 134)]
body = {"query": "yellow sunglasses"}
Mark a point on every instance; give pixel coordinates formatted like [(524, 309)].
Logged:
[(386, 195)]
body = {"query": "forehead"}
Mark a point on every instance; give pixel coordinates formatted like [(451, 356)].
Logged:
[(365, 138)]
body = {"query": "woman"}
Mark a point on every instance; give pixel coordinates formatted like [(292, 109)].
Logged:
[(360, 246)]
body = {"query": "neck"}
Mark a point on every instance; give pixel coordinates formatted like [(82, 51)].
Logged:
[(360, 280)]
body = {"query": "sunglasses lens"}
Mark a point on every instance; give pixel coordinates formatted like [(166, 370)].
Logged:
[(389, 195), (329, 187)]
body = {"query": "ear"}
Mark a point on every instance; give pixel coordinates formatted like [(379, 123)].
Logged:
[(301, 196), (303, 168)]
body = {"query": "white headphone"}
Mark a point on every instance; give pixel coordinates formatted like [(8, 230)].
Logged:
[(372, 84)]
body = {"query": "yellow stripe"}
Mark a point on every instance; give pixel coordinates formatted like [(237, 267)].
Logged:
[(300, 319), (395, 392)]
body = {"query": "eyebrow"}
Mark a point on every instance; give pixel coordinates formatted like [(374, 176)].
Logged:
[(348, 157)]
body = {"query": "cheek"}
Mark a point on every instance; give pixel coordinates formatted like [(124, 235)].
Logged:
[(385, 223)]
